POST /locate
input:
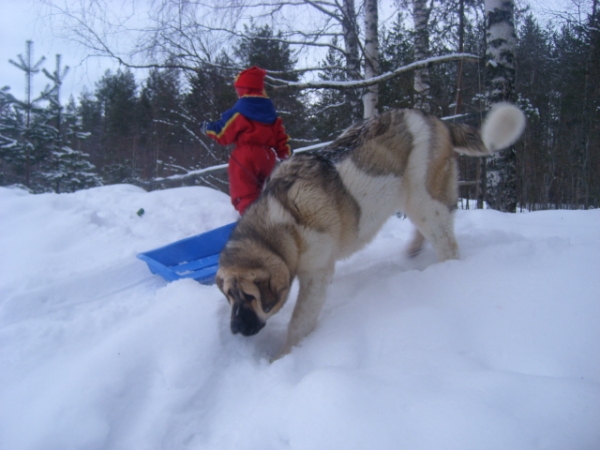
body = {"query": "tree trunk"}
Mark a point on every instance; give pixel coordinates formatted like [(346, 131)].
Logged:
[(351, 44), (461, 49), (371, 97), (589, 111), (500, 73), (421, 83)]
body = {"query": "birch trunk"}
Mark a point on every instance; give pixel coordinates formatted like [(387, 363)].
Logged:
[(371, 96), (501, 189), (421, 82), (351, 43)]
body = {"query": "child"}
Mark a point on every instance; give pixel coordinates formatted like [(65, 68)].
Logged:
[(258, 134)]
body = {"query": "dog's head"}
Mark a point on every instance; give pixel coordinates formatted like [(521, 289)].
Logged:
[(256, 289)]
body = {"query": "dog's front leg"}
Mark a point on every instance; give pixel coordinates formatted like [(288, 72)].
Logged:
[(311, 297)]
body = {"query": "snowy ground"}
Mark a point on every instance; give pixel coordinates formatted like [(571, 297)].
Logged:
[(500, 350)]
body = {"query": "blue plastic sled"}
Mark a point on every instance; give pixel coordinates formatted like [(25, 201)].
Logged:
[(195, 257)]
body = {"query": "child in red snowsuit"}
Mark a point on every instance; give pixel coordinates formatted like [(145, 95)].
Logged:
[(258, 134)]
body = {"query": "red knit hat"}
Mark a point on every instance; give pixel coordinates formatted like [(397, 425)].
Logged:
[(252, 78)]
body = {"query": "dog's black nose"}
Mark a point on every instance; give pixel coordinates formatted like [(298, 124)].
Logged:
[(246, 329), (236, 326), (245, 321)]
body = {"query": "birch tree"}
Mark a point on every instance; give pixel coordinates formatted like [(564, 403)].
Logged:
[(501, 189), (421, 12), (188, 35), (371, 97)]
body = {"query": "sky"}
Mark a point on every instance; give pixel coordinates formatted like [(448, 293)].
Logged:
[(22, 20)]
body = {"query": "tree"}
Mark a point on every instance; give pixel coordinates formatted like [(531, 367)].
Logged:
[(500, 63), (117, 95), (371, 70), (421, 13), (576, 111), (210, 93), (65, 169), (162, 136), (261, 47), (537, 96), (89, 113), (397, 50), (187, 35), (22, 133), (331, 112)]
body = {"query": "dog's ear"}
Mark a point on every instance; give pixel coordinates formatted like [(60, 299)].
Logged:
[(269, 295), (274, 288)]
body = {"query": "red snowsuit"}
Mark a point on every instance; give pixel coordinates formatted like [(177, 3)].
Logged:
[(259, 137)]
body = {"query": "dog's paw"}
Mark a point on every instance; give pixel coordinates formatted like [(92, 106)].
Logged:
[(285, 350), (416, 245), (413, 252)]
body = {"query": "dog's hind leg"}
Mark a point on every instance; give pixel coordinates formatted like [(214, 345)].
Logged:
[(311, 297), (435, 222), (416, 245)]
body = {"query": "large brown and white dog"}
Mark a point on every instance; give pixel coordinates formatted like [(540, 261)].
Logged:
[(318, 208)]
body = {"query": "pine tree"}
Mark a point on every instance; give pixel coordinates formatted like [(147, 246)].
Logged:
[(23, 132), (65, 169), (576, 111), (117, 95), (161, 123), (397, 50), (89, 113), (536, 165), (261, 47), (331, 112), (211, 93)]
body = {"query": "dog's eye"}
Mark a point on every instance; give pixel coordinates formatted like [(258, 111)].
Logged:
[(248, 297)]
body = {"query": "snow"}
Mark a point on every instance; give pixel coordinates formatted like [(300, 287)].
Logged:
[(499, 350)]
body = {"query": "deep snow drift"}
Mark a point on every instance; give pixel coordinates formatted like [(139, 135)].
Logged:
[(500, 350)]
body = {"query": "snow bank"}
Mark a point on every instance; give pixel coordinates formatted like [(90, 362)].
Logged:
[(496, 351)]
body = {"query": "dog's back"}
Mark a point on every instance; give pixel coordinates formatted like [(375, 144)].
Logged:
[(320, 207)]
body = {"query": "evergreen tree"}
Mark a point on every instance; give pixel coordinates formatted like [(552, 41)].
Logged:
[(5, 101), (117, 95), (211, 93), (397, 50), (89, 113), (161, 123), (537, 97), (576, 111), (24, 133), (261, 47), (65, 169), (331, 112)]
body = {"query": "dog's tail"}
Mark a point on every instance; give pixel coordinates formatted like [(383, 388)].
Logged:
[(502, 126)]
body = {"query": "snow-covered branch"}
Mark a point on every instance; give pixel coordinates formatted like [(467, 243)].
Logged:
[(282, 84)]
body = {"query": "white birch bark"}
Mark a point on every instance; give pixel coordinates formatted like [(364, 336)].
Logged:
[(371, 96), (501, 44), (421, 82), (501, 189), (351, 44)]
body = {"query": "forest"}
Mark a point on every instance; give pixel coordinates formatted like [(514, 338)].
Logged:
[(148, 133)]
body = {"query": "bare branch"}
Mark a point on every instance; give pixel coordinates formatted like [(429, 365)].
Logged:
[(283, 84)]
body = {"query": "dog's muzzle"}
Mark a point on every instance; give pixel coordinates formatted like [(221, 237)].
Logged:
[(245, 321)]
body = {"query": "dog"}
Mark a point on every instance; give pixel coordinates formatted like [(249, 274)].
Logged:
[(320, 207)]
